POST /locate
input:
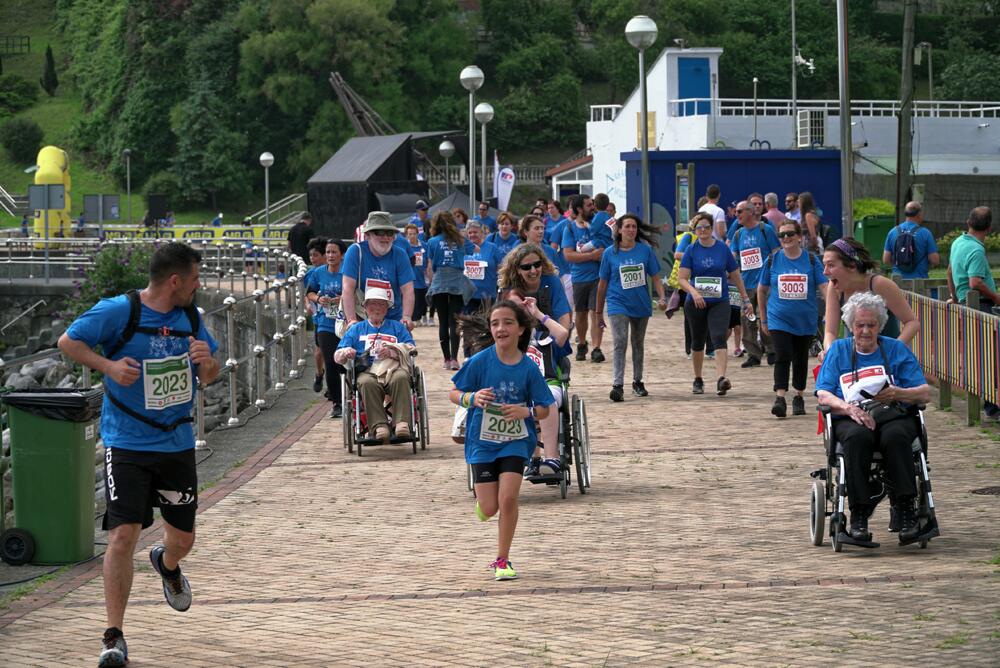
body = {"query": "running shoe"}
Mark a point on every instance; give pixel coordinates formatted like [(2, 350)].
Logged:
[(798, 405), (554, 466), (688, 354), (751, 361), (447, 364), (382, 433), (739, 352), (780, 408), (698, 387), (638, 389), (617, 393), (710, 355), (815, 349), (176, 588), (318, 383), (403, 430), (455, 365), (483, 517), (581, 352), (114, 651), (770, 359), (338, 411), (503, 569), (596, 355), (722, 386), (531, 470)]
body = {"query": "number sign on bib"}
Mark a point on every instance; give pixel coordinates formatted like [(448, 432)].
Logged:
[(708, 286), (793, 286), (379, 283), (418, 259), (372, 339), (632, 276), (535, 355), (735, 299), (498, 429), (475, 270), (870, 378), (751, 259), (166, 381)]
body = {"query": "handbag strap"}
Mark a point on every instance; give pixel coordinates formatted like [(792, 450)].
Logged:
[(854, 362)]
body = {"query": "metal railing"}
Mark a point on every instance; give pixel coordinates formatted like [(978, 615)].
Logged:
[(283, 210), (526, 174), (862, 108), (15, 45)]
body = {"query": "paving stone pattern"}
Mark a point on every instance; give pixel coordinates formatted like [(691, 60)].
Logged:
[(691, 549)]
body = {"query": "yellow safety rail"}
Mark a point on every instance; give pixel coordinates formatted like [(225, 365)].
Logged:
[(256, 233)]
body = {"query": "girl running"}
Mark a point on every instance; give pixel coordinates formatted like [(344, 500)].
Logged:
[(504, 392)]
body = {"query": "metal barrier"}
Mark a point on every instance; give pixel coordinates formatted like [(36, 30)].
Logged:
[(959, 345)]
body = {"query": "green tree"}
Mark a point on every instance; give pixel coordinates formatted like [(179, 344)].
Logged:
[(49, 80), (22, 138), (973, 77)]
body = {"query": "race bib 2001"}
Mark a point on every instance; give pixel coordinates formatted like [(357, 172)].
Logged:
[(793, 286), (708, 286), (632, 276), (496, 428), (166, 382), (751, 259)]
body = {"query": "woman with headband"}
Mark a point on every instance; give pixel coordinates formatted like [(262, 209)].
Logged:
[(849, 267)]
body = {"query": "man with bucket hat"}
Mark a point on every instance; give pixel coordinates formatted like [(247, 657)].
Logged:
[(383, 369), (377, 262)]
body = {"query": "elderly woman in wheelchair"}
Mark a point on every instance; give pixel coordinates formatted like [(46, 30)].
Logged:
[(380, 351), (871, 389)]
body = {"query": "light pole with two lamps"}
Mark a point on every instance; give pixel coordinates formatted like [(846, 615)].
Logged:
[(472, 78), (484, 114), (641, 33)]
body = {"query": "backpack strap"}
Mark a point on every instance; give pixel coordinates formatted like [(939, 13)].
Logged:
[(131, 325), (142, 418)]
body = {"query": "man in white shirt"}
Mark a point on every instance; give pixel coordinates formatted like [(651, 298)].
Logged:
[(712, 208)]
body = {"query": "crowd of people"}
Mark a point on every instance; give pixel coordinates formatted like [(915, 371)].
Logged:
[(511, 293)]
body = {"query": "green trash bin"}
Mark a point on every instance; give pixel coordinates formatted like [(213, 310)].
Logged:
[(53, 434), (872, 232)]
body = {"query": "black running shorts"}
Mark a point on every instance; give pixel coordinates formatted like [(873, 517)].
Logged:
[(585, 296), (490, 471), (135, 482)]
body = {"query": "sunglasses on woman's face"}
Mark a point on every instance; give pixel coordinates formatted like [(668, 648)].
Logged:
[(530, 265), (785, 235)]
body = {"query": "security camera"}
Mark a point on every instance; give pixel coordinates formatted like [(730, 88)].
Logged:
[(682, 43)]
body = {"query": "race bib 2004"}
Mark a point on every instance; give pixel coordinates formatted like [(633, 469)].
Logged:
[(166, 382), (496, 428)]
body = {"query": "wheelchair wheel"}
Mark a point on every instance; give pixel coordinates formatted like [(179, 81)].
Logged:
[(564, 484), (581, 436), (817, 512), (425, 427), (348, 417), (468, 472), (836, 526)]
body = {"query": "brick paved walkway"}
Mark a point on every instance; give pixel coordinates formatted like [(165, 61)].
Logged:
[(692, 547)]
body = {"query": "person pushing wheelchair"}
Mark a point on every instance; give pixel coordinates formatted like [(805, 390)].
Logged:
[(870, 383)]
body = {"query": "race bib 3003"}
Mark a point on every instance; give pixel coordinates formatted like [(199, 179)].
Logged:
[(632, 276), (793, 286), (496, 428), (751, 259), (166, 382), (708, 286)]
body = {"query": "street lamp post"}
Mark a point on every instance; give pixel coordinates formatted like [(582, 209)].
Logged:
[(446, 149), (484, 114), (795, 100), (266, 160), (641, 33), (472, 78), (846, 150), (127, 154), (755, 81)]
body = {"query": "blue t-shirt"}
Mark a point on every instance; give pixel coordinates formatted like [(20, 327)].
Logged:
[(103, 325), (403, 243), (923, 242), (520, 383), (553, 235), (710, 268), (791, 303), (325, 284), (361, 335), (626, 272), (482, 268), (554, 256), (392, 270), (836, 375), (418, 258), (602, 225), (444, 253), (488, 221), (504, 245), (574, 237), (751, 247)]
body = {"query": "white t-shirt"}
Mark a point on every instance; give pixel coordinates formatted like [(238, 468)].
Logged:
[(717, 213)]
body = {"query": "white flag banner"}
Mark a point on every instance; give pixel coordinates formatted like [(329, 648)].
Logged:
[(496, 175), (505, 185)]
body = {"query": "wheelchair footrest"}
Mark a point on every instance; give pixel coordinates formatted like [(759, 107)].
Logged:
[(550, 479), (846, 539), (929, 531), (395, 440)]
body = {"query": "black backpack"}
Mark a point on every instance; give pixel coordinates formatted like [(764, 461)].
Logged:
[(132, 327), (904, 250)]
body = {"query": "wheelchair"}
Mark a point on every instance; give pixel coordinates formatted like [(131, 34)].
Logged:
[(829, 489), (355, 422)]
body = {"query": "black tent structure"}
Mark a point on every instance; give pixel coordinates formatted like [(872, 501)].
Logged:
[(367, 174)]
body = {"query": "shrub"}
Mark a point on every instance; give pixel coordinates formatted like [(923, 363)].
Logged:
[(22, 138), (870, 206), (167, 184), (16, 93), (992, 242), (116, 269)]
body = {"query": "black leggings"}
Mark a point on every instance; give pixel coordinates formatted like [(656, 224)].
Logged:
[(419, 303), (893, 439), (709, 323), (687, 332), (328, 342), (448, 307), (790, 350)]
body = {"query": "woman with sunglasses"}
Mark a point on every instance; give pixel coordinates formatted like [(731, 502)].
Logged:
[(450, 289), (624, 271), (786, 294), (849, 267), (707, 269), (684, 241)]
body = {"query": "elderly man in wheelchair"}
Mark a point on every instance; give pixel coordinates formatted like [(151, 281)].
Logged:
[(380, 351), (873, 387)]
